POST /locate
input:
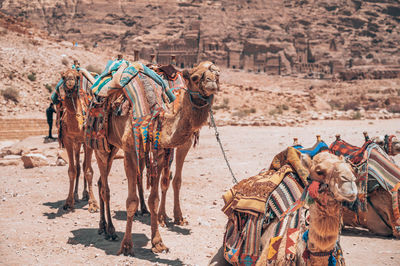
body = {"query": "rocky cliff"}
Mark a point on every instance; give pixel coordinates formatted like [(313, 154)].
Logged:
[(263, 35)]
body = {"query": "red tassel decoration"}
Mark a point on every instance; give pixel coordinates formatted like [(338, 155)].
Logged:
[(313, 189)]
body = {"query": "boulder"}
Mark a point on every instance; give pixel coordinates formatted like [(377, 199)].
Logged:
[(34, 160)]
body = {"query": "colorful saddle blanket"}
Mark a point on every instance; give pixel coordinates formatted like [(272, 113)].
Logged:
[(148, 93), (249, 204), (314, 150)]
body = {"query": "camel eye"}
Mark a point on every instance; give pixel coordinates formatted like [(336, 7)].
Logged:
[(319, 172)]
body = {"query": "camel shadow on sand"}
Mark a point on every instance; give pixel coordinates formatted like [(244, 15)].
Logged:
[(359, 232), (59, 206), (90, 238), (121, 215)]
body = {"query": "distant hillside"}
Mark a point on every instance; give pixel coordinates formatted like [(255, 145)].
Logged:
[(285, 37)]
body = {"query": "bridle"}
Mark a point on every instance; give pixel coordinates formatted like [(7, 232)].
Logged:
[(70, 92)]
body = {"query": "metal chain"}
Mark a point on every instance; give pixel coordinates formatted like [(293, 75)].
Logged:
[(234, 180)]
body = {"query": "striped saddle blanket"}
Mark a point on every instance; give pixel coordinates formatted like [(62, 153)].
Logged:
[(257, 200)]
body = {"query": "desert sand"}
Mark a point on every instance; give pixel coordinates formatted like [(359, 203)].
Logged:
[(35, 230)]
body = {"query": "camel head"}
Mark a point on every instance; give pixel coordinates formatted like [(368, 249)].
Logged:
[(334, 175), (390, 144), (71, 79), (203, 79)]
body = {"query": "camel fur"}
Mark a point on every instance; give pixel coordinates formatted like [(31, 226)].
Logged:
[(72, 138), (176, 129), (324, 213)]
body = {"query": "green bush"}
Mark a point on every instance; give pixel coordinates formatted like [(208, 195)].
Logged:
[(10, 94), (32, 76), (356, 116)]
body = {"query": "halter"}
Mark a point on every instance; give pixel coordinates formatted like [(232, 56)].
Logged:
[(69, 92), (207, 100)]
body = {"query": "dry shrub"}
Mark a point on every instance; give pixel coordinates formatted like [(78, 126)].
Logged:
[(10, 94), (48, 87), (394, 108), (351, 105), (32, 76), (224, 105), (356, 116), (65, 62), (244, 112)]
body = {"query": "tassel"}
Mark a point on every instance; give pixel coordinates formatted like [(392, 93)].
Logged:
[(313, 189), (332, 260)]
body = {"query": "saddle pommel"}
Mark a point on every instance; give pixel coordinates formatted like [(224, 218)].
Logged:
[(119, 57), (295, 141), (365, 133), (337, 136), (318, 138)]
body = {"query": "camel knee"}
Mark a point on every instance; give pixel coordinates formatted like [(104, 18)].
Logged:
[(131, 205), (72, 172)]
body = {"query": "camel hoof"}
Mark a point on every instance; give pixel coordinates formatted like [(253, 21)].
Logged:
[(162, 220), (126, 249), (85, 195), (110, 234), (159, 248), (68, 206), (93, 207), (145, 213), (181, 221)]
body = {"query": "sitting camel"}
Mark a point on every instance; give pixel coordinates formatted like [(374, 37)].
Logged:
[(282, 225), (389, 143), (175, 129), (379, 182), (74, 103), (332, 183)]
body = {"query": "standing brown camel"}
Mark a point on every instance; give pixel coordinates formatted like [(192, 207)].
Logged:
[(71, 135), (333, 182), (176, 128)]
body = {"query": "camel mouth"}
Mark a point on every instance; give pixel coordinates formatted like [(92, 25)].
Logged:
[(347, 191)]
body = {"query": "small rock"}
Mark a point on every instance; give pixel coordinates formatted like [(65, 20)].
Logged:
[(34, 160)]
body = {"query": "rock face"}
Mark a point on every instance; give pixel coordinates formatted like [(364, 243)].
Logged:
[(274, 36)]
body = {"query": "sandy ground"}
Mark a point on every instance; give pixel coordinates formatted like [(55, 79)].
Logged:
[(35, 230)]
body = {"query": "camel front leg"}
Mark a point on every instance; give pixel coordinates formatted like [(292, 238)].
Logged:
[(77, 149), (181, 153), (104, 161), (156, 241), (131, 203), (88, 172), (69, 202)]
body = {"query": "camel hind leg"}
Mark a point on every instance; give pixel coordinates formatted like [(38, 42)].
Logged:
[(104, 161), (156, 241)]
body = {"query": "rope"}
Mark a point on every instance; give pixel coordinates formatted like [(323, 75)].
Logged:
[(234, 180)]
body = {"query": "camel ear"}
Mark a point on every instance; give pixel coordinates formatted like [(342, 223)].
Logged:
[(62, 75), (306, 161)]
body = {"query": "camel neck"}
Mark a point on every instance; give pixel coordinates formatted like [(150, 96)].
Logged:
[(323, 231), (190, 117)]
